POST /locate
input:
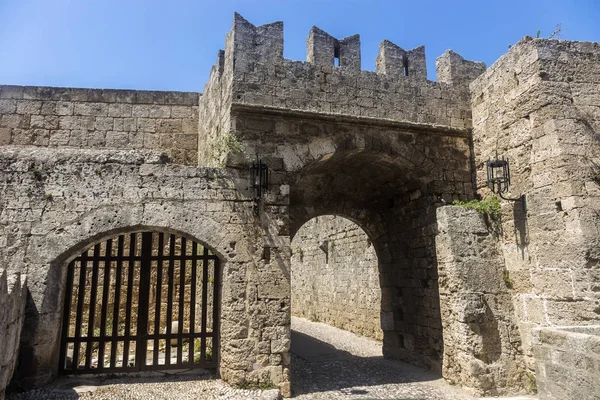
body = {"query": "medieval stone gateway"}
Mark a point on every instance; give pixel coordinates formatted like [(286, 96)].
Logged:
[(369, 160)]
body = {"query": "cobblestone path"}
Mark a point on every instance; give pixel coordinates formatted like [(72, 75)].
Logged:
[(328, 364)]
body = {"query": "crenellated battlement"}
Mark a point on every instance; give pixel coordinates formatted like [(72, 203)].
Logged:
[(325, 50), (395, 61), (249, 45), (252, 71)]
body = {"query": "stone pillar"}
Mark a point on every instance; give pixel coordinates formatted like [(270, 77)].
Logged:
[(481, 340), (12, 298), (453, 69)]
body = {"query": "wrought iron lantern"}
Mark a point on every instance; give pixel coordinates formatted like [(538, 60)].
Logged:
[(498, 179), (259, 182)]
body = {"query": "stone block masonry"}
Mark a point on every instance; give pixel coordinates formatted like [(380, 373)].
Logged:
[(539, 105), (384, 149), (101, 119), (568, 362), (335, 276), (13, 295), (64, 200), (481, 337)]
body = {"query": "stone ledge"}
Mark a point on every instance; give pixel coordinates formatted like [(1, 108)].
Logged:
[(346, 118), (74, 155), (99, 95)]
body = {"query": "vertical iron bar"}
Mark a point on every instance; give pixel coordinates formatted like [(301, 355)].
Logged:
[(193, 301), (144, 300), (182, 263), (170, 298), (67, 316), (117, 305), (216, 302), (92, 310), (80, 298), (130, 268), (105, 292), (161, 239), (204, 303)]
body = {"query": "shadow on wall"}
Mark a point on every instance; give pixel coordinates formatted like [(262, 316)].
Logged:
[(26, 361), (320, 367)]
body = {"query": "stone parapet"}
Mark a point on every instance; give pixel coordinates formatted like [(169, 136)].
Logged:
[(101, 118)]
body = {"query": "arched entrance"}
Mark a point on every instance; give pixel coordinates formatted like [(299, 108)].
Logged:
[(138, 301), (335, 276)]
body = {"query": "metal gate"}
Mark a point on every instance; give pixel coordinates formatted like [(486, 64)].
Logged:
[(141, 301)]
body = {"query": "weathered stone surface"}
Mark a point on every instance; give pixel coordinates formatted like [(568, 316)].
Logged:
[(567, 362), (384, 149), (481, 338), (537, 106), (13, 295), (63, 200), (337, 284), (94, 118)]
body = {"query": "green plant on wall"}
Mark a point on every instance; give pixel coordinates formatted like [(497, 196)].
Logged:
[(490, 206), (506, 277), (532, 382), (224, 145)]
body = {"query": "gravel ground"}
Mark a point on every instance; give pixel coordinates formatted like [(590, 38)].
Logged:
[(327, 363), (188, 386)]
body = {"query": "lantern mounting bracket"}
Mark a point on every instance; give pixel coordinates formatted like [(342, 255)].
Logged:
[(259, 182), (498, 179)]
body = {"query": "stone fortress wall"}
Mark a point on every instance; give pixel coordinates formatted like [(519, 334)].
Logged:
[(335, 276), (252, 71), (540, 106), (101, 119), (385, 149)]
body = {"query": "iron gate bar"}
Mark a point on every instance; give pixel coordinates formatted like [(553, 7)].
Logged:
[(105, 293), (92, 309), (140, 269), (153, 258), (80, 298), (158, 308), (182, 250), (193, 302), (117, 302), (204, 305), (136, 337), (216, 301), (130, 268), (143, 301), (170, 298)]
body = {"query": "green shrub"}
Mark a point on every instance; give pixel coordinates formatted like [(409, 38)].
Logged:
[(490, 206)]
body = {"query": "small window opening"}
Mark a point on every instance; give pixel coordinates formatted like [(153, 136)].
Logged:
[(267, 254), (336, 56), (405, 68), (325, 248)]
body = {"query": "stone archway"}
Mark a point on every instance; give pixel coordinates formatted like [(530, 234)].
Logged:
[(394, 202), (335, 276), (40, 345)]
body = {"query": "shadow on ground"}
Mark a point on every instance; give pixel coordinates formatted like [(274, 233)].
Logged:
[(320, 367), (73, 387)]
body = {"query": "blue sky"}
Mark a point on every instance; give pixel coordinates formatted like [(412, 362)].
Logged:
[(171, 44)]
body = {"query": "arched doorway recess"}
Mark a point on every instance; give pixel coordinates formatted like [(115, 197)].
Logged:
[(139, 301), (335, 276)]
